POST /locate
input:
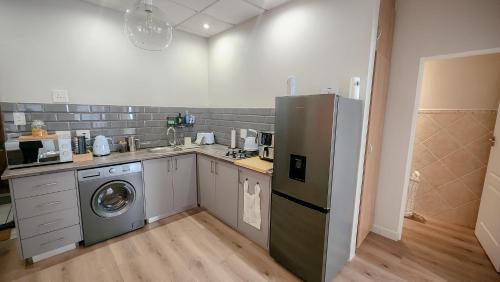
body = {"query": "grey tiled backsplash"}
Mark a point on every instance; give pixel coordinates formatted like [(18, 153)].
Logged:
[(148, 124)]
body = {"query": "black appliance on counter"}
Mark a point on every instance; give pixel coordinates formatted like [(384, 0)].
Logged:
[(32, 153)]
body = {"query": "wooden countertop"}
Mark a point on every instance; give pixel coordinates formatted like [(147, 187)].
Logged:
[(255, 163)]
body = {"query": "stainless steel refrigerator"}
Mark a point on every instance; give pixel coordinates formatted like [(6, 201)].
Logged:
[(317, 147)]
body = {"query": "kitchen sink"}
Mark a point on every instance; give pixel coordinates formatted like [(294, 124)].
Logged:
[(161, 150)]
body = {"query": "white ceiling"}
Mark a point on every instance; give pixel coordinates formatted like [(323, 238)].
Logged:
[(191, 15)]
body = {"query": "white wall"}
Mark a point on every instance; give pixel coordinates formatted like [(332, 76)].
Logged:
[(322, 42), (424, 28), (469, 83), (77, 46)]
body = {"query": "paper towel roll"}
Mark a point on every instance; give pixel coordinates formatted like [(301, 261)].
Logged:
[(291, 85), (233, 139), (355, 88)]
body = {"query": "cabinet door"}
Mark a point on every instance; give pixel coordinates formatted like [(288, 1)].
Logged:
[(261, 236), (226, 193), (206, 182), (158, 188), (184, 182)]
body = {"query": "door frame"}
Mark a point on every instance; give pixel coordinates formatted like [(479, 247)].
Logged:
[(416, 106)]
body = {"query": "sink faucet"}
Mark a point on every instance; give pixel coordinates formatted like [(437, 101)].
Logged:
[(171, 142)]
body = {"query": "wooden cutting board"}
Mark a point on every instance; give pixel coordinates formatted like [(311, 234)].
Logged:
[(37, 138), (255, 163)]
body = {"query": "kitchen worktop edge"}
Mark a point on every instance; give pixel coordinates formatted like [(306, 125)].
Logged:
[(215, 151)]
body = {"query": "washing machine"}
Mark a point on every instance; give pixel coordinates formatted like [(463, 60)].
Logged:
[(111, 201)]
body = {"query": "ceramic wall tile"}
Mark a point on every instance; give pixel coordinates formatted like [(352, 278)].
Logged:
[(451, 153)]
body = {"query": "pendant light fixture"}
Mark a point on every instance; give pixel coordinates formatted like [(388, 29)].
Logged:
[(147, 26)]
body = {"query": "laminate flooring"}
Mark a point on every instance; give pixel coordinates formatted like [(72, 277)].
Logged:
[(195, 246)]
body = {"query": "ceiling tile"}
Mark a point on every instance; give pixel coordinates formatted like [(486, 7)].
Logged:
[(233, 11), (174, 12), (114, 4), (195, 25), (197, 5), (268, 4)]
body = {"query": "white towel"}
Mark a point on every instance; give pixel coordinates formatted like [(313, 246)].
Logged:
[(251, 206)]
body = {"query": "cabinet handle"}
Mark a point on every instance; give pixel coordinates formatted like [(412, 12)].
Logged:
[(168, 165), (51, 241), (211, 166), (175, 164), (215, 165), (49, 204), (44, 185), (50, 223)]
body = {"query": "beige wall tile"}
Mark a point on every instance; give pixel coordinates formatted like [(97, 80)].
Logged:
[(441, 144), (446, 118), (465, 215), (481, 148), (426, 127), (422, 157), (475, 181), (486, 118), (436, 174), (461, 162), (451, 152), (456, 193), (466, 130), (431, 204), (424, 187)]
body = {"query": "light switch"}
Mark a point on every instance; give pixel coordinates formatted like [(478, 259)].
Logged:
[(243, 133), (60, 96), (19, 118)]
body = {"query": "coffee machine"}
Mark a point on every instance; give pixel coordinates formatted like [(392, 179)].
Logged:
[(266, 146)]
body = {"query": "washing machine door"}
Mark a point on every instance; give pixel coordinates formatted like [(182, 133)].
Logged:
[(113, 199)]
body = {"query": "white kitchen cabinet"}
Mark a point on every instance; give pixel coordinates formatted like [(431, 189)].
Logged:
[(158, 188), (46, 213), (259, 236), (169, 185), (226, 192), (218, 186), (206, 182), (184, 182)]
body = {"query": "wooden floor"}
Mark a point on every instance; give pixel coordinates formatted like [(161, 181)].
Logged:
[(433, 251), (195, 246)]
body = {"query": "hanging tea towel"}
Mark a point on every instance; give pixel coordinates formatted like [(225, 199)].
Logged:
[(251, 205)]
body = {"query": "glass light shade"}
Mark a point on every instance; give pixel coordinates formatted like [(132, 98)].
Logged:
[(147, 26)]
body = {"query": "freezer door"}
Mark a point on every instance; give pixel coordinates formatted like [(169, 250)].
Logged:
[(304, 147), (298, 235)]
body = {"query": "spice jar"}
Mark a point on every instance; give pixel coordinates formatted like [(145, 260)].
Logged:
[(38, 128)]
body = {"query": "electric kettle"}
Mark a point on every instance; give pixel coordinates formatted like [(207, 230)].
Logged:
[(101, 146)]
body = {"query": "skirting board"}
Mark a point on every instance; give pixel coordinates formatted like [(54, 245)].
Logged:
[(53, 252), (382, 231)]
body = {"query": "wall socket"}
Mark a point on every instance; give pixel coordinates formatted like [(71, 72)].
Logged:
[(19, 118), (60, 96)]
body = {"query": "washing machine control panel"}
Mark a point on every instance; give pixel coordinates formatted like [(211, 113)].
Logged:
[(95, 173)]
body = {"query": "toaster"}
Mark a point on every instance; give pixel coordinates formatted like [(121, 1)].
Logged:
[(206, 137)]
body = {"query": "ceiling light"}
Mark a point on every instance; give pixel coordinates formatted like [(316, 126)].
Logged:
[(147, 26), (206, 26)]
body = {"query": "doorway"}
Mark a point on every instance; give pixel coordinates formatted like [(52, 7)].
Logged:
[(456, 119)]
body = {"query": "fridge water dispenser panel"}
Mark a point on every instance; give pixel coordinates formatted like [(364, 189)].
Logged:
[(297, 168)]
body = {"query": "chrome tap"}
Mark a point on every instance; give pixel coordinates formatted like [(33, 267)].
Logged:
[(174, 142)]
